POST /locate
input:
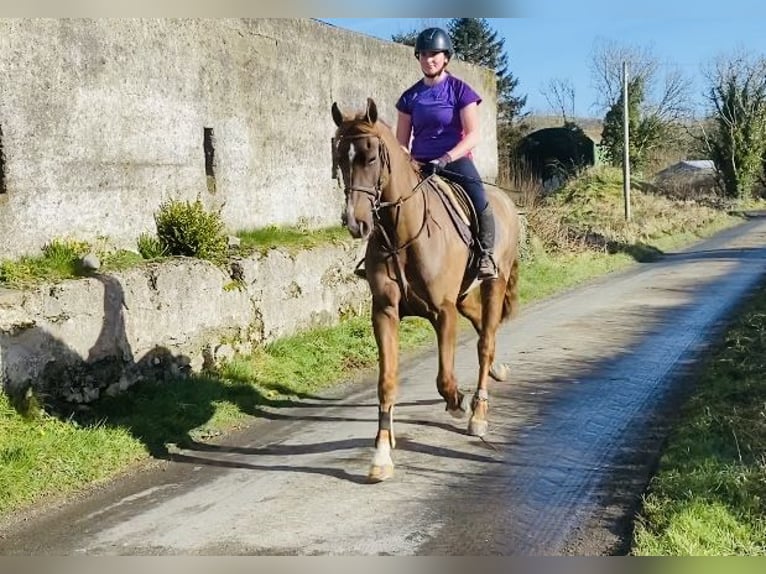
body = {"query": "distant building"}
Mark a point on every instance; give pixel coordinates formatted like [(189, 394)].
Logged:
[(688, 178), (688, 167), (553, 154)]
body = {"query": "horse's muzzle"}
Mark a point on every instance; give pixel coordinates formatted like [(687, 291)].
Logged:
[(358, 229)]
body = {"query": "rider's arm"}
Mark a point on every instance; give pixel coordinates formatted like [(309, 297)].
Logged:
[(404, 130), (469, 117)]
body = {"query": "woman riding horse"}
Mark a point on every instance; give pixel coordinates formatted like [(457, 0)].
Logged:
[(416, 264), (439, 114)]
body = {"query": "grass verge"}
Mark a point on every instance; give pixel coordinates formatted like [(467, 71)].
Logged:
[(708, 497)]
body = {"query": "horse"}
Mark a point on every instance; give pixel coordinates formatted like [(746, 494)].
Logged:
[(416, 265)]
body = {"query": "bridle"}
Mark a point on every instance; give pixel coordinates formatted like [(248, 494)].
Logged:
[(375, 193), (388, 238)]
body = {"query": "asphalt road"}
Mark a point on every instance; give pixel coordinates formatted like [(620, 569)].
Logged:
[(593, 371)]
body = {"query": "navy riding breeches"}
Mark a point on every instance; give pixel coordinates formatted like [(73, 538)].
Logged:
[(464, 172)]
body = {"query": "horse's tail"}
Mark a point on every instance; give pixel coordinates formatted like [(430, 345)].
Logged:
[(511, 299)]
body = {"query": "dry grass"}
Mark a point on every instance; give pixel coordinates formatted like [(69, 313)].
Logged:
[(587, 213)]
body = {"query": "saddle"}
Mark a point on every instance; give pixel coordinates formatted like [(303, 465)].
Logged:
[(464, 218), (463, 215)]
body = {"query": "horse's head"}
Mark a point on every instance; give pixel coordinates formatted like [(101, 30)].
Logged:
[(362, 158)]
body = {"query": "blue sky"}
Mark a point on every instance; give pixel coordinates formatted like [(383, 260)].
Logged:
[(559, 43)]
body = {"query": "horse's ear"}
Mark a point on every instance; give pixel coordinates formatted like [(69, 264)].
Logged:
[(336, 115), (372, 111)]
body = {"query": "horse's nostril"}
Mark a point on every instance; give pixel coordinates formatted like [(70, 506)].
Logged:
[(363, 228)]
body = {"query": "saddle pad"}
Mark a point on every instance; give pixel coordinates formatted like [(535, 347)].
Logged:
[(458, 202)]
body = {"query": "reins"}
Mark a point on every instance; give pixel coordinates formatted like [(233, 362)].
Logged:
[(374, 193)]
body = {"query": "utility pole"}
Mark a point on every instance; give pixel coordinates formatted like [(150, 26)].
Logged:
[(626, 142)]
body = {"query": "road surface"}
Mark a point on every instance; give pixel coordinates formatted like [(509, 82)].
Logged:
[(573, 435)]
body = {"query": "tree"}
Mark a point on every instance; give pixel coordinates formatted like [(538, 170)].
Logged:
[(612, 135), (475, 42), (737, 139), (560, 95), (406, 38), (656, 117)]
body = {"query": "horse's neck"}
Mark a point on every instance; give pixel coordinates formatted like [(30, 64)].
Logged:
[(402, 187)]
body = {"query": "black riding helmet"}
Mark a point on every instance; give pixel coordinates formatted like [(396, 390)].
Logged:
[(433, 40)]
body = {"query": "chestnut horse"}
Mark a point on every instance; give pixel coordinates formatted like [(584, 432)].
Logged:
[(415, 265)]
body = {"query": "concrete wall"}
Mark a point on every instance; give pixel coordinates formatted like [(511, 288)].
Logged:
[(102, 120), (77, 339)]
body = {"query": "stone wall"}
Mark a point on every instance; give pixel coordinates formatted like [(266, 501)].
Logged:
[(79, 338), (102, 120)]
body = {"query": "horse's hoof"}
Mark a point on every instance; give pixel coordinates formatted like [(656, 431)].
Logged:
[(459, 411), (499, 371), (477, 427), (380, 473)]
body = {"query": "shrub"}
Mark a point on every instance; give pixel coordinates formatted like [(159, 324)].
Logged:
[(186, 228)]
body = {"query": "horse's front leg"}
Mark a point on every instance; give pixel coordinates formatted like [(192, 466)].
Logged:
[(492, 293), (446, 382), (385, 323)]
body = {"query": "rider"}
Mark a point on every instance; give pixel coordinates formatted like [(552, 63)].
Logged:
[(439, 113)]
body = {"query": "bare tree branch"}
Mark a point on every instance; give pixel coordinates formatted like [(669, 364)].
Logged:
[(560, 95)]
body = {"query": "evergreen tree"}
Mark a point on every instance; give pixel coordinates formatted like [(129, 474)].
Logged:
[(612, 134), (737, 138), (475, 42), (406, 38), (647, 131)]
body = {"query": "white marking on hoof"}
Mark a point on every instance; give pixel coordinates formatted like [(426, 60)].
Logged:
[(382, 466), (500, 371), (380, 473), (477, 427)]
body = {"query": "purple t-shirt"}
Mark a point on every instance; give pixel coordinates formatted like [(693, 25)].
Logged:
[(435, 113)]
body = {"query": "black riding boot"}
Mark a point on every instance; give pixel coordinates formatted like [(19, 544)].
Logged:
[(487, 267)]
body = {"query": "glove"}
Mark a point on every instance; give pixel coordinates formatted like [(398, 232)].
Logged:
[(435, 166)]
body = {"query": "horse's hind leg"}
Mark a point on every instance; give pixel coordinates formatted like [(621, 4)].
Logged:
[(492, 293), (385, 322), (472, 309), (446, 382)]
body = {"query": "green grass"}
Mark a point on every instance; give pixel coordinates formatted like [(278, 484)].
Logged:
[(60, 259), (45, 456), (709, 495), (292, 239)]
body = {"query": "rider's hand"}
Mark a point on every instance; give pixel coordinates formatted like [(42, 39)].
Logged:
[(436, 166)]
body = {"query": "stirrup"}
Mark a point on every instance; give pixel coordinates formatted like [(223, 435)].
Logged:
[(483, 272)]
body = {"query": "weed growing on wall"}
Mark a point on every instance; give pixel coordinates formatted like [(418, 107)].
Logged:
[(187, 228), (149, 246)]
